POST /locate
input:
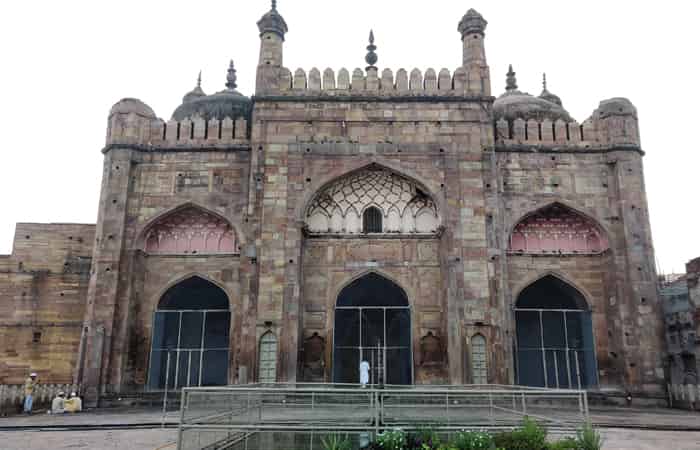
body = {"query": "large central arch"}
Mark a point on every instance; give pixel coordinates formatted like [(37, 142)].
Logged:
[(190, 339), (373, 324)]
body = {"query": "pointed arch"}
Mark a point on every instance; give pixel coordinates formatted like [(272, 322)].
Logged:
[(189, 229), (368, 184), (267, 358), (562, 279), (558, 229)]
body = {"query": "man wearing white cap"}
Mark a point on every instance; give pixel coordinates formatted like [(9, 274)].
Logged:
[(58, 404), (29, 386)]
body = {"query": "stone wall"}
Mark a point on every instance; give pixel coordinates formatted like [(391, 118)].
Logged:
[(43, 289)]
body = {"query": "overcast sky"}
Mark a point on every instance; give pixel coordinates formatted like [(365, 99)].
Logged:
[(64, 63)]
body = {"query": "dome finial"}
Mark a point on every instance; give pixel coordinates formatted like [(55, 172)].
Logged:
[(199, 80), (544, 81), (371, 57), (511, 82), (231, 77), (274, 5)]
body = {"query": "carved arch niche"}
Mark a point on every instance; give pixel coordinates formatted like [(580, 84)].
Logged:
[(557, 229), (341, 206), (190, 230)]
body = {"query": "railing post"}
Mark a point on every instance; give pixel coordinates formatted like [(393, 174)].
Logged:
[(183, 399), (491, 417), (585, 404), (522, 398), (447, 408), (165, 391)]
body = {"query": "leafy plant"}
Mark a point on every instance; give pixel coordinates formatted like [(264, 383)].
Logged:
[(423, 439), (392, 440), (530, 436), (336, 442), (473, 440), (588, 438)]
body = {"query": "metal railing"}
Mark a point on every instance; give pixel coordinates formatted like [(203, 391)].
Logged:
[(237, 417)]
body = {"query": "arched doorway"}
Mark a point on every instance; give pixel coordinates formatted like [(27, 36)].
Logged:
[(190, 340), (554, 335), (373, 324)]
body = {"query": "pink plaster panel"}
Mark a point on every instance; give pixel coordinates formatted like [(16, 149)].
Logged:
[(191, 231), (557, 229)]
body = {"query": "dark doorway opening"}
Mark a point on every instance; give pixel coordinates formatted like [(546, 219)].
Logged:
[(373, 324), (190, 340), (554, 336)]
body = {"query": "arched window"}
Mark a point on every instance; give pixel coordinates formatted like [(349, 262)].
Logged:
[(372, 220), (479, 368), (267, 358)]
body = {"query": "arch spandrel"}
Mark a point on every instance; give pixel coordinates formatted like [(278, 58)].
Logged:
[(399, 199)]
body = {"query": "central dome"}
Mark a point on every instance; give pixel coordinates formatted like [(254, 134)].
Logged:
[(228, 103)]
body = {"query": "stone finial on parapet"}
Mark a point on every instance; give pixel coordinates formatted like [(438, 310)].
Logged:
[(371, 57)]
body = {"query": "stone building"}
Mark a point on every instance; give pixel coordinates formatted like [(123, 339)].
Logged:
[(409, 219), (681, 307)]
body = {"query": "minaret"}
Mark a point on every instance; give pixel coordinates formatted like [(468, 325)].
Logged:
[(272, 30), (472, 27)]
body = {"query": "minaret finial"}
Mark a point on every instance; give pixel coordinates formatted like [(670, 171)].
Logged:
[(231, 76), (274, 5), (544, 81), (511, 82), (199, 79), (371, 57)]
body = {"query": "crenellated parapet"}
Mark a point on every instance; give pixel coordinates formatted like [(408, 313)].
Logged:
[(613, 124), (372, 82), (129, 126)]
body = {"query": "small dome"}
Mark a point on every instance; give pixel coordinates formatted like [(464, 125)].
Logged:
[(195, 93), (618, 106), (472, 22), (227, 103), (273, 22), (514, 104), (132, 105)]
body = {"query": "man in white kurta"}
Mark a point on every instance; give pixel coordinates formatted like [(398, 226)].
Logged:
[(364, 373)]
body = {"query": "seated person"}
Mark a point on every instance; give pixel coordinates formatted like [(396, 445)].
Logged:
[(58, 404), (73, 404)]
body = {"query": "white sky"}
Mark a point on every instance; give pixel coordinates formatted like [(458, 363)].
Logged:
[(64, 63)]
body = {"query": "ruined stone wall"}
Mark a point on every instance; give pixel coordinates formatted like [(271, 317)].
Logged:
[(305, 143), (43, 289)]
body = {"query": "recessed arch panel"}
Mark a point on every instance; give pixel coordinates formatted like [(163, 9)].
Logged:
[(401, 202), (190, 230), (557, 229)]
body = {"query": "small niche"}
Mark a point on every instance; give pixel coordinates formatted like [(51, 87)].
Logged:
[(36, 337), (27, 237), (308, 180)]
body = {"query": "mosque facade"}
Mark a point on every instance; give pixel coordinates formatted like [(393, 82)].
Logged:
[(412, 220)]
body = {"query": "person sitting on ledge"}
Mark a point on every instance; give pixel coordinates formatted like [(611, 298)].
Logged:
[(58, 404), (73, 404)]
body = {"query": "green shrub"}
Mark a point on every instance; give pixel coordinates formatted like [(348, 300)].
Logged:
[(392, 440), (473, 440), (336, 442), (588, 438), (423, 439), (530, 436)]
